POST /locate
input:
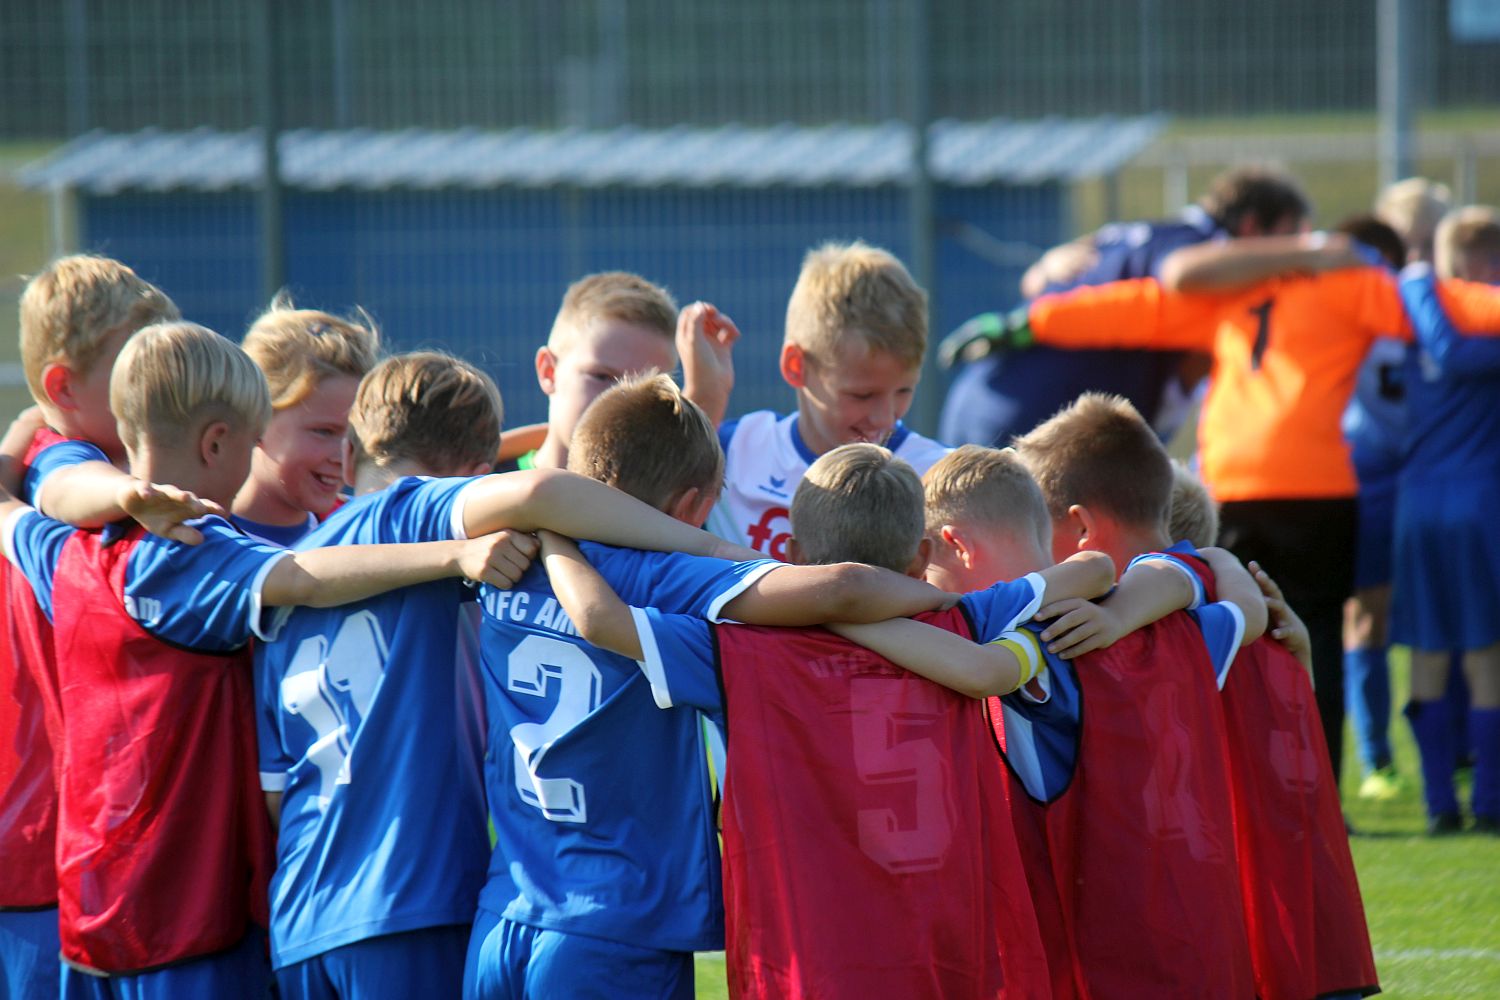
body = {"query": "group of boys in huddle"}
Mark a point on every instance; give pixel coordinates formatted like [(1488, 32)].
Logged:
[(999, 730)]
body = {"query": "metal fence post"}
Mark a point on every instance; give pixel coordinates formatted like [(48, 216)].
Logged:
[(1393, 84), (268, 100), (929, 402)]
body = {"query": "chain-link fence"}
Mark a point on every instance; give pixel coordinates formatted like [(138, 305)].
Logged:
[(477, 263)]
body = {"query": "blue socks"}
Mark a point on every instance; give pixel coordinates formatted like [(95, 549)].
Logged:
[(1367, 699), (1432, 726), (1484, 730)]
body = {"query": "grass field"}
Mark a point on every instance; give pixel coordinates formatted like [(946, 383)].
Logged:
[(1433, 905)]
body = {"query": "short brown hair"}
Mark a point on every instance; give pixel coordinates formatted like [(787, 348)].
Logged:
[(298, 348), (854, 290), (988, 487), (613, 295), (859, 503), (1259, 193), (70, 308), (427, 407), (1099, 452), (1413, 208), (1374, 232), (173, 378), (644, 437), (1195, 514), (1467, 244)]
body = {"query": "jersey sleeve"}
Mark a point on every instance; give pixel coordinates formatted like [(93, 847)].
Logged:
[(1194, 580), (55, 457), (427, 510), (1455, 355), (678, 660), (1136, 313), (675, 582), (1004, 606), (34, 545), (1223, 628), (726, 433), (206, 596)]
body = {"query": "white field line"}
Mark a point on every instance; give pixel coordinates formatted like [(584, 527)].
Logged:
[(1414, 954)]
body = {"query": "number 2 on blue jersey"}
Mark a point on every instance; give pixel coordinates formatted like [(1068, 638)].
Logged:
[(536, 664)]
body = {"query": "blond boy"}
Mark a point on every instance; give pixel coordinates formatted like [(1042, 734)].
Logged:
[(313, 362), (856, 331), (615, 324), (161, 852), (75, 316)]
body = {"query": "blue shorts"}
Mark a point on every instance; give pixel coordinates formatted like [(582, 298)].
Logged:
[(240, 973), (28, 954), (516, 961), (1377, 532), (1447, 565), (421, 963)]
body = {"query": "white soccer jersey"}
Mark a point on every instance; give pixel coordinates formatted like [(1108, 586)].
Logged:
[(764, 460)]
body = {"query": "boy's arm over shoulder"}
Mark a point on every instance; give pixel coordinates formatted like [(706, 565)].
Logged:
[(579, 507), (1083, 574), (674, 652), (1137, 312), (976, 670), (16, 445), (1148, 591), (842, 592)]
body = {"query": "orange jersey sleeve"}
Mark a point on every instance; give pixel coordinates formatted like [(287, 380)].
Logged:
[(1136, 313), (1368, 296)]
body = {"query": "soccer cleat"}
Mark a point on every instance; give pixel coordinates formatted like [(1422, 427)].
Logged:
[(1486, 824), (1444, 824), (1382, 784)]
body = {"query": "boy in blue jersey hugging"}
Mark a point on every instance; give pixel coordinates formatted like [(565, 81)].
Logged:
[(163, 848), (371, 725), (605, 877)]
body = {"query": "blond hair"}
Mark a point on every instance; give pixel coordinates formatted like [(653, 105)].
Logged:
[(1413, 208), (850, 291), (1467, 244), (70, 309), (859, 503), (298, 348), (1099, 452), (172, 379), (613, 295), (427, 407), (644, 437), (1194, 514), (986, 487)]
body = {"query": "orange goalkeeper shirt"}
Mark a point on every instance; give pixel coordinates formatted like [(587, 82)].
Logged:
[(1285, 356)]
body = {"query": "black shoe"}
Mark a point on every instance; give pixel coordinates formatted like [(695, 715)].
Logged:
[(1443, 824), (1486, 824)]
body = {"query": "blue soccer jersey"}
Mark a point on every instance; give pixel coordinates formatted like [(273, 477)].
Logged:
[(1452, 390), (601, 802), (203, 597), (54, 457), (370, 725)]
